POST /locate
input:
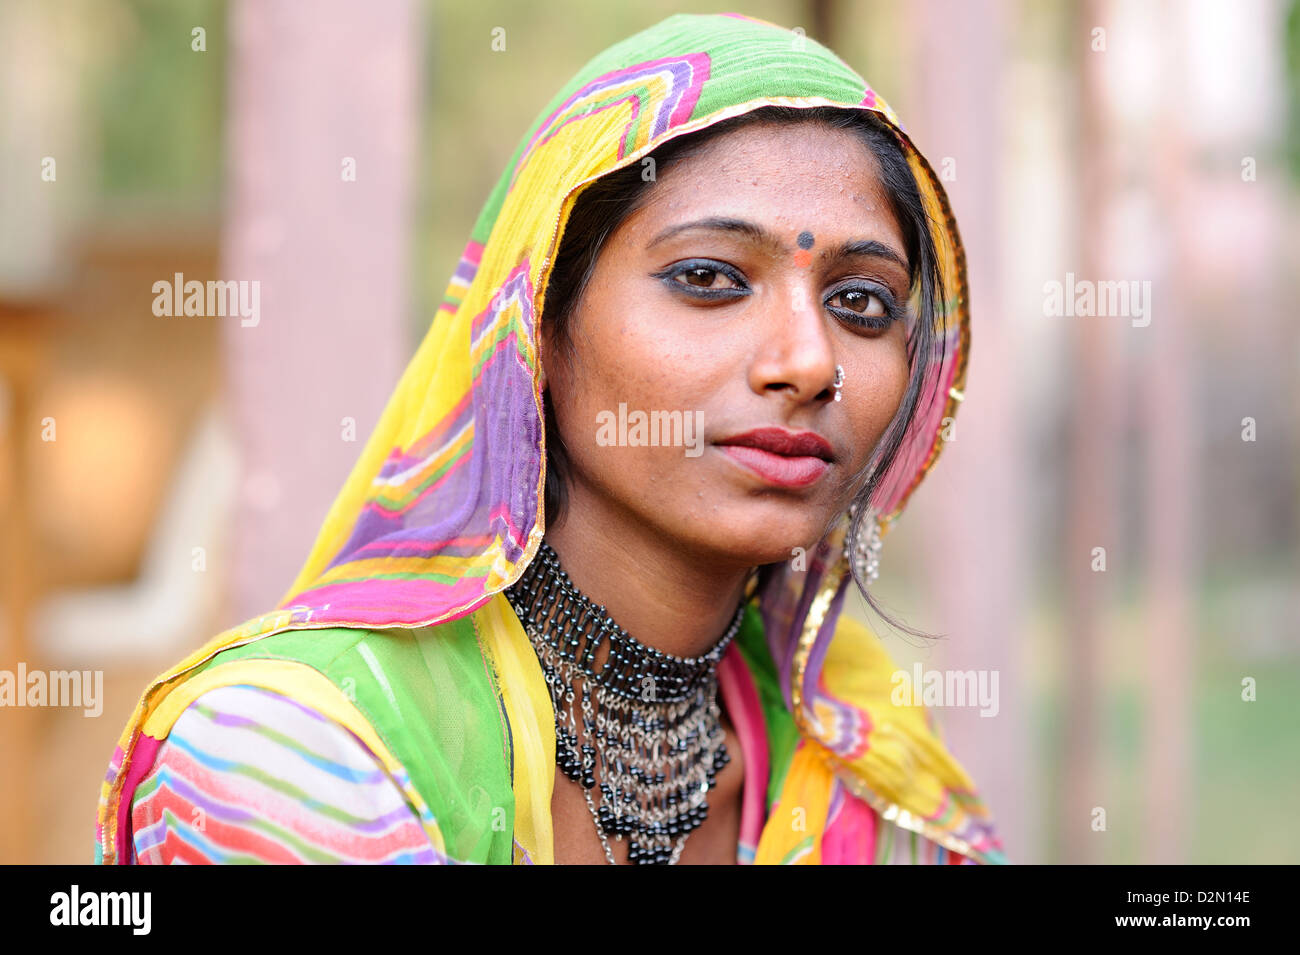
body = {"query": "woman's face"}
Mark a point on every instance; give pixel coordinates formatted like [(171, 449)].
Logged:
[(753, 268)]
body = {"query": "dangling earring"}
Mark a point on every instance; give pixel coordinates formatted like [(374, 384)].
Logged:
[(839, 381), (865, 554)]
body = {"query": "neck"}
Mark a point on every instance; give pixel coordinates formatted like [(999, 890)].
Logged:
[(664, 596)]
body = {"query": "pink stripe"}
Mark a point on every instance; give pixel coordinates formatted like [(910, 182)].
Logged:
[(142, 757), (850, 839), (233, 806), (740, 697), (400, 602)]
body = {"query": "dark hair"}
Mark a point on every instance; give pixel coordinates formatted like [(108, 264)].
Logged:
[(606, 203)]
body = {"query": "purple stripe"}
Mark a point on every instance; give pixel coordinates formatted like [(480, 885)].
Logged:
[(466, 270), (173, 777)]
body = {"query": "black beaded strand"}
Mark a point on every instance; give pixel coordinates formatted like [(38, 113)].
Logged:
[(654, 717)]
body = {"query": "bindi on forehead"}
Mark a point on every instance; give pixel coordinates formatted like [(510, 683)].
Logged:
[(803, 255)]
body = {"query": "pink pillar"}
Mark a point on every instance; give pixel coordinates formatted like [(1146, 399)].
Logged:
[(971, 509), (321, 133), (1090, 494), (1172, 494)]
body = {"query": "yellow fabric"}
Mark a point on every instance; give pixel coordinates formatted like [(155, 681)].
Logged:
[(528, 706), (898, 762), (906, 761), (793, 833)]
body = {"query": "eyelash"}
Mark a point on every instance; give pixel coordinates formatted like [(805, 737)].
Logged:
[(669, 275)]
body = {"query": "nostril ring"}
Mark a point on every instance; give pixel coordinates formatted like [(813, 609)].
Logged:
[(839, 380)]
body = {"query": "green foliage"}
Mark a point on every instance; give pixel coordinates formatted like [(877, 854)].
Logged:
[(1293, 89), (159, 103)]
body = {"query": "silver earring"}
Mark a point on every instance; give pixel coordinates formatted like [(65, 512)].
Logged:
[(864, 553), (839, 380)]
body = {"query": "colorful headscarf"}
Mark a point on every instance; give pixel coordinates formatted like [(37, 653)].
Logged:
[(444, 507)]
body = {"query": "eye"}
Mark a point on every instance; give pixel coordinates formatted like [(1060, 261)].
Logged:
[(700, 277), (867, 307), (705, 279)]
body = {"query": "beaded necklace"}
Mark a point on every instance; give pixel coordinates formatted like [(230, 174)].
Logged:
[(650, 720)]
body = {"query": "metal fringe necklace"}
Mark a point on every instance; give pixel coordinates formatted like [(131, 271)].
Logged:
[(649, 719)]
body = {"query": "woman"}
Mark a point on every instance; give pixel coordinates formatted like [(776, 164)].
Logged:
[(695, 358)]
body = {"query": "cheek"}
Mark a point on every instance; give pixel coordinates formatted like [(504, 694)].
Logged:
[(881, 375), (637, 355), (622, 357)]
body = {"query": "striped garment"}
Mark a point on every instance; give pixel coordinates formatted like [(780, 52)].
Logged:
[(249, 776)]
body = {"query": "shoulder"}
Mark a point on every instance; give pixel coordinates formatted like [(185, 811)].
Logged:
[(248, 774)]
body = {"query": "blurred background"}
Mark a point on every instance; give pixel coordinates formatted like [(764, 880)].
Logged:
[(1113, 527)]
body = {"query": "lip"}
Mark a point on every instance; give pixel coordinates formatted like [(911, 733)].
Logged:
[(791, 459)]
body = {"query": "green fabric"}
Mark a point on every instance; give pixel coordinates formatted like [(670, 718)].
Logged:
[(744, 55), (429, 695), (432, 699), (782, 734)]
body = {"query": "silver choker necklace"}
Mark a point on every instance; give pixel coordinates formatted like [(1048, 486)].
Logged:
[(650, 720)]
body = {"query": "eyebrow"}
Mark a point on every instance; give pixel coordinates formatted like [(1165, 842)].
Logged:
[(757, 234)]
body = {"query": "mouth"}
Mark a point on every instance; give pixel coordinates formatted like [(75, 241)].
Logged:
[(793, 459)]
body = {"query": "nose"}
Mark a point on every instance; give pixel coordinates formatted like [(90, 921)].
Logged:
[(796, 354)]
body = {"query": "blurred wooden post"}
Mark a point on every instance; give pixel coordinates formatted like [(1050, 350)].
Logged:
[(1090, 496), (1167, 400), (821, 21), (321, 137), (41, 116), (22, 362), (973, 517)]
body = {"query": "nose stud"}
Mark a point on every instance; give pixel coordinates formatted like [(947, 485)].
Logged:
[(839, 380)]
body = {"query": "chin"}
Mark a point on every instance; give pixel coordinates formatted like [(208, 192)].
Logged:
[(768, 534)]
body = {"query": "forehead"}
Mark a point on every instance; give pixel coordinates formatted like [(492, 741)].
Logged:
[(792, 177)]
